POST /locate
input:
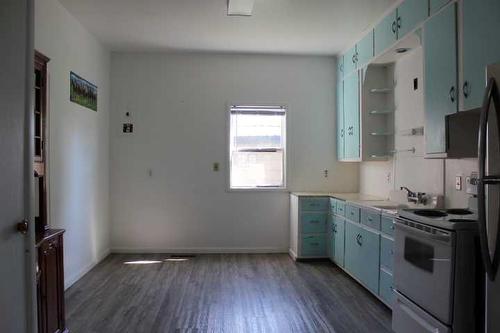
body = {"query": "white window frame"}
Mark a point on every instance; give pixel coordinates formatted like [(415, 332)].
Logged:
[(282, 188)]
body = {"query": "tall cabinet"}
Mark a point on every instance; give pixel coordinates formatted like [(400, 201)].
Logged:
[(480, 47), (440, 70)]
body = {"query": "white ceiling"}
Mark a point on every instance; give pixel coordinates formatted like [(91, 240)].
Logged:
[(323, 27)]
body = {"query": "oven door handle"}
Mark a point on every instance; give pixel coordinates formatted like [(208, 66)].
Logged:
[(442, 238)]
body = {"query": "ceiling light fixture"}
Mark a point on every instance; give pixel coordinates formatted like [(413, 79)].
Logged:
[(240, 7)]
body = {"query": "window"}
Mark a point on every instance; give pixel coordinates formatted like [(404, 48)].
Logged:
[(257, 147)]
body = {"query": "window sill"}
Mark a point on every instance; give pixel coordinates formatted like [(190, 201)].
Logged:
[(256, 189)]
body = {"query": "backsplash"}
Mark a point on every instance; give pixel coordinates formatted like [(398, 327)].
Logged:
[(433, 176)]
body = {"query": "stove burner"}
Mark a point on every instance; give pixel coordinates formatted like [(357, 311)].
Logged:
[(461, 220), (459, 211), (429, 213)]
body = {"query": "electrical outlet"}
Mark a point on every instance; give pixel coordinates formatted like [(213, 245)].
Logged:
[(215, 167), (388, 177), (325, 173), (458, 183)]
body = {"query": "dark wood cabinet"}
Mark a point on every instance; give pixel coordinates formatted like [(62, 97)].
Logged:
[(50, 282)]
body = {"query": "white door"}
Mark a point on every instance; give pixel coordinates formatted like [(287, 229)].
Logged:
[(17, 278)]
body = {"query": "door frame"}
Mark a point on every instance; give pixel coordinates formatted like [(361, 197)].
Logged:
[(29, 194)]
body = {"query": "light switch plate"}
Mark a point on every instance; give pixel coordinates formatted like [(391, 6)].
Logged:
[(458, 183)]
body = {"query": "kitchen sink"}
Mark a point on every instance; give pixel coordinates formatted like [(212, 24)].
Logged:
[(430, 213)]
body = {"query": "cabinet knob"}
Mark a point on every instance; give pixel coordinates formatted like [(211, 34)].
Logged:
[(465, 89), (399, 22), (452, 94), (394, 27)]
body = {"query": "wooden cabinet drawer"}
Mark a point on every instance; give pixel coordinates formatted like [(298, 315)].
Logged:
[(314, 245), (352, 213), (370, 218), (387, 225), (314, 204), (386, 287), (313, 222), (333, 205), (340, 208), (386, 253)]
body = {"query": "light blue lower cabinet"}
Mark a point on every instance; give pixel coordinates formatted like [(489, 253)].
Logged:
[(314, 245), (361, 256), (339, 241), (369, 259), (352, 257), (386, 253), (386, 291), (313, 222)]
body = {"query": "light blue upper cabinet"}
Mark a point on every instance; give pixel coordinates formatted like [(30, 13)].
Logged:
[(481, 47), (365, 49), (350, 61), (340, 121), (410, 14), (440, 67), (435, 5), (385, 33), (351, 117)]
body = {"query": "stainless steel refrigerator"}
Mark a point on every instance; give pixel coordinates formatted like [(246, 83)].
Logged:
[(489, 196)]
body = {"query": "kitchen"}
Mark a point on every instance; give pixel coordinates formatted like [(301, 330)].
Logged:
[(251, 166)]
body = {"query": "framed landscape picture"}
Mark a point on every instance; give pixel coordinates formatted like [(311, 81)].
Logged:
[(82, 92)]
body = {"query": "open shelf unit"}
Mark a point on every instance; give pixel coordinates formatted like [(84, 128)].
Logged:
[(377, 112)]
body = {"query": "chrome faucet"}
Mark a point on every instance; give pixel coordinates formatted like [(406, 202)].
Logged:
[(416, 197)]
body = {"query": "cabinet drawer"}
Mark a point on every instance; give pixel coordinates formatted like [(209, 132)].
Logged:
[(370, 218), (387, 225), (387, 253), (313, 222), (313, 246), (352, 213), (333, 205), (340, 208), (386, 288), (314, 204)]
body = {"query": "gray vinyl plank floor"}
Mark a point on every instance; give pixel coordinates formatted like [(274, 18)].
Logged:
[(221, 293)]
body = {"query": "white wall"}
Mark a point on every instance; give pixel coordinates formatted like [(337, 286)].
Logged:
[(78, 138), (405, 169), (178, 104), (434, 176)]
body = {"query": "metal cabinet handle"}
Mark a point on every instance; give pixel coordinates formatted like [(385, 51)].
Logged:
[(342, 68), (465, 89), (394, 27), (360, 240), (342, 133), (399, 22), (370, 219), (452, 94)]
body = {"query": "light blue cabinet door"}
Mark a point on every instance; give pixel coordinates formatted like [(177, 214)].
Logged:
[(365, 50), (369, 244), (410, 14), (481, 47), (440, 58), (339, 236), (435, 5), (386, 253), (385, 33), (331, 238), (386, 288), (352, 249), (351, 117), (340, 121), (350, 61)]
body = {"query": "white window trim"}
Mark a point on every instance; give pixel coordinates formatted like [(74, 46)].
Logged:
[(283, 188)]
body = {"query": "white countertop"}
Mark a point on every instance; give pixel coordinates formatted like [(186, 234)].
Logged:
[(360, 199)]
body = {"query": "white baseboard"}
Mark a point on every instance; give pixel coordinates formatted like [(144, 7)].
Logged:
[(69, 281), (201, 250)]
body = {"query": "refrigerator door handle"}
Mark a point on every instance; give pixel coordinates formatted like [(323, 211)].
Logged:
[(490, 264)]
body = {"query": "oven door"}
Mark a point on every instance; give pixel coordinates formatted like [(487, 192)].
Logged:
[(424, 267)]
